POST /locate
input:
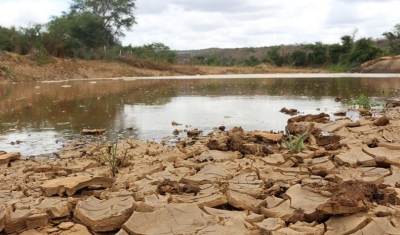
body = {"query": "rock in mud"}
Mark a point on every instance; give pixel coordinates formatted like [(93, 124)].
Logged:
[(244, 201), (7, 157), (93, 131), (103, 216), (236, 138), (345, 224), (382, 121), (350, 197), (17, 221), (382, 225), (4, 216), (269, 137), (70, 185), (172, 219), (290, 112), (319, 118), (194, 133)]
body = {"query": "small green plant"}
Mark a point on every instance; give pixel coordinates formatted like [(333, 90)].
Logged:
[(295, 143), (362, 101), (111, 158)]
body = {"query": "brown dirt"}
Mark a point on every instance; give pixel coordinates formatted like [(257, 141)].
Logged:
[(15, 67)]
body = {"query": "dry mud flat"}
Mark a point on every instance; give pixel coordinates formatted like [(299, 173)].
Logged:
[(228, 182)]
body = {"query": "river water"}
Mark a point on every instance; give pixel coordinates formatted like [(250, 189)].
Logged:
[(37, 118)]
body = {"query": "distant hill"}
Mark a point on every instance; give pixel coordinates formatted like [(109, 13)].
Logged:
[(184, 57)]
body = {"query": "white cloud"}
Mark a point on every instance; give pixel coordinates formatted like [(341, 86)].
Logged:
[(195, 24), (23, 12)]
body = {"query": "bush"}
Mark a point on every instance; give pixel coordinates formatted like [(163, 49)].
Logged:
[(298, 58)]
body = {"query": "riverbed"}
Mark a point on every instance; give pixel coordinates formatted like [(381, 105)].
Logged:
[(37, 118)]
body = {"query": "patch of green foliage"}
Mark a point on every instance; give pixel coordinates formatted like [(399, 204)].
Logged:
[(362, 101), (111, 158), (295, 143)]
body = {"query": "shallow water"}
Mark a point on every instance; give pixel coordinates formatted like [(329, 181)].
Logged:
[(36, 118)]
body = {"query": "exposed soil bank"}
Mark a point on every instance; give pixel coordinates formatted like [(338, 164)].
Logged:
[(16, 68), (227, 182)]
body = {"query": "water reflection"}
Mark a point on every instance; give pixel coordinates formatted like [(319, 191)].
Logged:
[(147, 107)]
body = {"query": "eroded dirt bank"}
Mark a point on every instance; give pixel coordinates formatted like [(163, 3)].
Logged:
[(16, 68), (347, 181)]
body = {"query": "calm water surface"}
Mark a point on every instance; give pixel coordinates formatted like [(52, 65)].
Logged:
[(36, 118)]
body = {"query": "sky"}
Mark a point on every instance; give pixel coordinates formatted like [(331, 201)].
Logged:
[(199, 24)]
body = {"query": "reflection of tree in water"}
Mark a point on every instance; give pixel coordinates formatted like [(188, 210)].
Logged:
[(99, 105)]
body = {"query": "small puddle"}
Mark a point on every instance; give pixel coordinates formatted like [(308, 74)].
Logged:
[(37, 118)]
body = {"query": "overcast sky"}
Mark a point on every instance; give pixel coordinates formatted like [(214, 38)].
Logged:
[(197, 24)]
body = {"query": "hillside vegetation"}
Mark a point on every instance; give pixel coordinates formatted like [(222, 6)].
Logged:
[(92, 29)]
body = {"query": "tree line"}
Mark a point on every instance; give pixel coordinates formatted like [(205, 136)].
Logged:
[(90, 29), (341, 56)]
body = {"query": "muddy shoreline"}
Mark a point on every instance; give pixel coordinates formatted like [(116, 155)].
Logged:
[(233, 181)]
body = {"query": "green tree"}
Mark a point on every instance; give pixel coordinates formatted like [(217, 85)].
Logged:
[(5, 39), (157, 52), (298, 58), (75, 35), (318, 54), (275, 56), (116, 14), (364, 50), (347, 42), (334, 52), (394, 40)]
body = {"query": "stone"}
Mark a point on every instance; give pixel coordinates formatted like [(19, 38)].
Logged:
[(391, 135), (306, 201), (379, 225), (93, 131), (54, 207), (331, 127), (77, 229), (37, 221), (225, 214), (321, 166), (382, 121), (269, 137), (209, 174), (355, 157), (384, 155), (172, 219), (235, 225), (17, 220), (303, 156), (69, 154), (70, 185), (4, 216), (6, 158), (283, 211), (76, 166), (244, 201), (274, 159), (217, 156), (66, 225), (271, 224), (152, 203), (209, 199), (103, 216), (350, 197), (319, 118), (308, 228), (288, 231), (394, 178), (345, 224)]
